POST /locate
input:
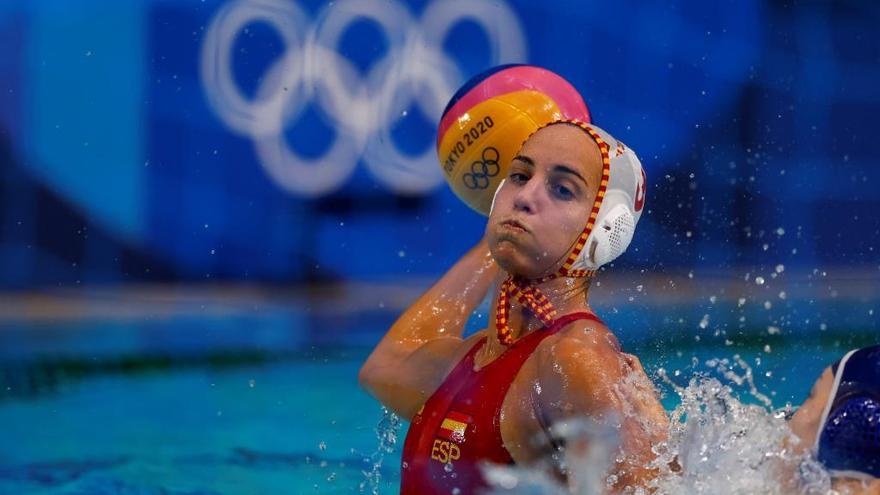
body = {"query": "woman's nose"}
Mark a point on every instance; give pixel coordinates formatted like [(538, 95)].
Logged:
[(526, 198)]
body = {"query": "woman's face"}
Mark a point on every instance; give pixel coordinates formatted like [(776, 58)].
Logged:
[(543, 206)]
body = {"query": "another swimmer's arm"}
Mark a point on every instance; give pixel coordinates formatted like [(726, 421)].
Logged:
[(414, 356), (589, 377), (805, 422), (852, 486)]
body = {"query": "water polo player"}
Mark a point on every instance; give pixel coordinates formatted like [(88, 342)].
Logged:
[(840, 420), (569, 198)]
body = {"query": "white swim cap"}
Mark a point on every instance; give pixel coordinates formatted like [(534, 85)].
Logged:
[(620, 208)]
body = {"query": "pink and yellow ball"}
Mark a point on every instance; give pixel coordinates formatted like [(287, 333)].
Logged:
[(488, 119)]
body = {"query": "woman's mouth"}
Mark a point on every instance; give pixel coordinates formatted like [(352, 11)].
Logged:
[(514, 226)]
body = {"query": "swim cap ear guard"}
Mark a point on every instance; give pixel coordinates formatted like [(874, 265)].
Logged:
[(621, 208)]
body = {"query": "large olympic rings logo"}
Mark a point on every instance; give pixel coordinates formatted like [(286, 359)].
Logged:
[(481, 170), (363, 111)]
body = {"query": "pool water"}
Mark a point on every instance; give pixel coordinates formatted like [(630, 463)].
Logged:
[(294, 427), (264, 412)]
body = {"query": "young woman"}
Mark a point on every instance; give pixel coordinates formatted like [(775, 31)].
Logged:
[(493, 396)]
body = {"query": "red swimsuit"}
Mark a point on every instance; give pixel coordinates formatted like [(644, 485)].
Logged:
[(460, 425)]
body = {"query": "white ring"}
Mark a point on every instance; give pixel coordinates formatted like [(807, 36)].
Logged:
[(362, 110), (223, 93), (500, 23), (400, 171)]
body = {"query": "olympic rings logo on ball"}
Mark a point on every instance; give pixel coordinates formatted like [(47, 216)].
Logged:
[(361, 109), (481, 170)]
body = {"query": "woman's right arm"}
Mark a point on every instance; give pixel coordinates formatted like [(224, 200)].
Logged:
[(414, 356)]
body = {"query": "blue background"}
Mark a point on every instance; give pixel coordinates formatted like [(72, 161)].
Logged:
[(755, 122), (206, 355)]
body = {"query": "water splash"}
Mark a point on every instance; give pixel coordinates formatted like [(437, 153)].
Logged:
[(725, 446), (587, 458), (387, 432), (717, 444)]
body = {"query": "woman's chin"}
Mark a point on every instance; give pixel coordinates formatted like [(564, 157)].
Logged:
[(516, 258), (513, 261), (507, 256)]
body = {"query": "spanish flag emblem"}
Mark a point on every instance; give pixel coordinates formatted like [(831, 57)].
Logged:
[(454, 426)]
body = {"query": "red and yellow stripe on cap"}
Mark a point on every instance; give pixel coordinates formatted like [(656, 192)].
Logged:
[(597, 203)]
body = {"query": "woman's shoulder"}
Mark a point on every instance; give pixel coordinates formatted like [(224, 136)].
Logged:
[(586, 334), (578, 369), (580, 348)]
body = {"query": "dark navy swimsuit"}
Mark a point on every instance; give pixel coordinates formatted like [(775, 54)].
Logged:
[(848, 443)]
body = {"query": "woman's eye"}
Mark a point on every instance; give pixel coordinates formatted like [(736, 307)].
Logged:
[(518, 178), (563, 192)]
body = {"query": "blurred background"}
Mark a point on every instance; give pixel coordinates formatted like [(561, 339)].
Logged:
[(211, 210)]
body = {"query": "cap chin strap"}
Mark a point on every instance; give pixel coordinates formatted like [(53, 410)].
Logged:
[(526, 291)]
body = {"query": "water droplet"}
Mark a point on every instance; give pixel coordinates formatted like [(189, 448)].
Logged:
[(759, 280)]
